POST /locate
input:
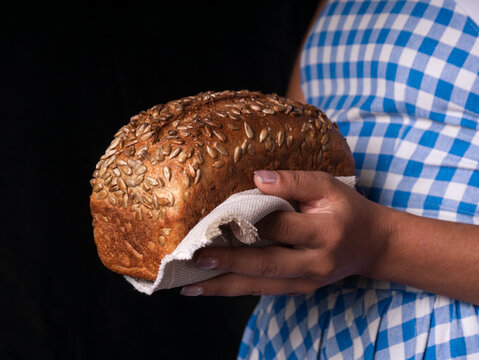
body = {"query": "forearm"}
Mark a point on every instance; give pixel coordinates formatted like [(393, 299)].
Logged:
[(437, 256)]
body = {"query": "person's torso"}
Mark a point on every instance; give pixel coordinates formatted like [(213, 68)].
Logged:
[(401, 79)]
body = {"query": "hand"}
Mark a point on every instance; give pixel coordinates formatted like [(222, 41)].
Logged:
[(337, 233)]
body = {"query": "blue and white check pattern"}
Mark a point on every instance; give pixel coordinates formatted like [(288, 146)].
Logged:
[(401, 79)]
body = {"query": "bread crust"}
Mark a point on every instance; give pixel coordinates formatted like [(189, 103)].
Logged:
[(174, 163)]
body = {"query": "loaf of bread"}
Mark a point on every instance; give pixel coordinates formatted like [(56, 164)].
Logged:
[(174, 163)]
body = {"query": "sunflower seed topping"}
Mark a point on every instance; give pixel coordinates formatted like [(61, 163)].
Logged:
[(221, 149), (237, 154), (166, 173), (280, 138), (198, 175), (174, 153), (218, 164), (102, 194), (262, 135), (289, 141), (248, 130), (211, 152)]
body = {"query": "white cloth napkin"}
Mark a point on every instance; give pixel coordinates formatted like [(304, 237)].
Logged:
[(230, 224)]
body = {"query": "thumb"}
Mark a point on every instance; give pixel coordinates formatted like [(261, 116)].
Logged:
[(302, 186)]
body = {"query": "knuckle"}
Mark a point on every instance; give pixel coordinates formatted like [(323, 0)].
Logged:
[(255, 289), (293, 179), (269, 269)]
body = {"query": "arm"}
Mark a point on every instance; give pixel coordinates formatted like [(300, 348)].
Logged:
[(340, 233)]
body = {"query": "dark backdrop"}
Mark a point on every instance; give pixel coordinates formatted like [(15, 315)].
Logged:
[(70, 77)]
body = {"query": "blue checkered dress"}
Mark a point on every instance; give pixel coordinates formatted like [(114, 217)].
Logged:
[(401, 79)]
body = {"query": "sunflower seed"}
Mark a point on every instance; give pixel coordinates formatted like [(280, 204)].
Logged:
[(166, 231), (182, 157), (167, 149), (138, 214), (218, 164), (319, 155), (262, 135), (220, 114), (189, 150), (98, 188), (251, 151), (171, 199), (219, 135), (237, 154), (148, 199), (112, 200), (177, 141), (122, 185), (199, 158), (289, 141), (324, 139), (124, 201), (186, 180), (233, 126), (130, 143), (289, 108), (120, 162), (139, 180), (161, 240), (141, 170), (248, 130), (174, 153), (151, 181), (207, 131), (102, 217), (255, 107), (268, 111), (221, 149), (117, 172), (146, 186), (155, 202), (198, 175), (102, 172), (191, 170), (244, 146), (211, 152), (213, 123), (162, 201), (99, 164), (233, 115), (172, 132), (146, 135), (269, 144), (166, 173), (108, 154), (130, 151), (102, 194), (326, 147)]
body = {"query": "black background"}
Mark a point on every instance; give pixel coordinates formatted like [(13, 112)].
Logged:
[(71, 76)]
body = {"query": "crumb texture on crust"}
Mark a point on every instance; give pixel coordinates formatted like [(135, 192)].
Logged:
[(174, 163)]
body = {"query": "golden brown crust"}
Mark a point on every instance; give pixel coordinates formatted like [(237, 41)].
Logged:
[(173, 164)]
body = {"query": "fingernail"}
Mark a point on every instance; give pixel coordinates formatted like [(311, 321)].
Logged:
[(266, 176), (207, 263), (191, 291)]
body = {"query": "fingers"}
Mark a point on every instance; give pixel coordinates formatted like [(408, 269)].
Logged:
[(237, 285), (302, 186), (290, 228), (268, 262)]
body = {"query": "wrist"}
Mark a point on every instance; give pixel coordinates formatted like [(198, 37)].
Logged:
[(385, 240)]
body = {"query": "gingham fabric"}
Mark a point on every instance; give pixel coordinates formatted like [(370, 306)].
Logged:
[(401, 79)]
